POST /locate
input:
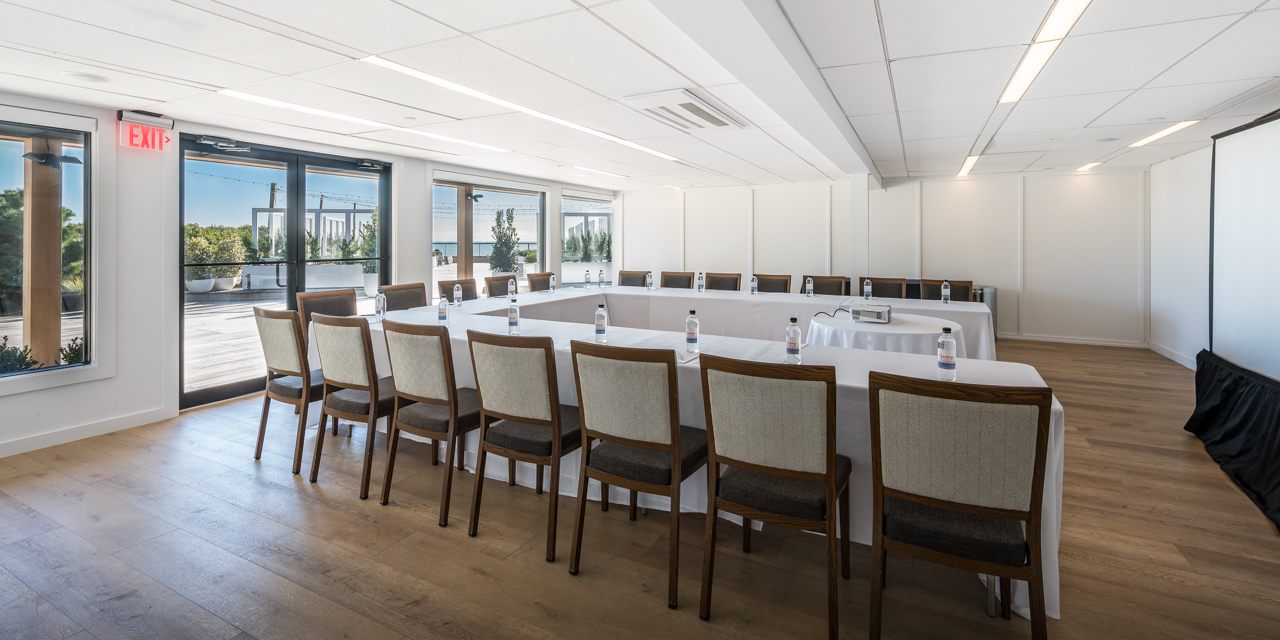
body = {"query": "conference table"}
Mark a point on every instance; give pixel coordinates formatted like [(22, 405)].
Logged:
[(568, 315)]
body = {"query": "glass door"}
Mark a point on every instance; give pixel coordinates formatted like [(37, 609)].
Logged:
[(480, 232), (341, 225)]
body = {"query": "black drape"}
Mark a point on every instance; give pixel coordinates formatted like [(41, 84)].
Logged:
[(1237, 416)]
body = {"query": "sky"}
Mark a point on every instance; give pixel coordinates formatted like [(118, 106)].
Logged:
[(12, 167), (225, 194)]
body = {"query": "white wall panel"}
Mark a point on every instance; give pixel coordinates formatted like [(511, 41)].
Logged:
[(1180, 256), (841, 224), (792, 227), (717, 230), (653, 230), (894, 223)]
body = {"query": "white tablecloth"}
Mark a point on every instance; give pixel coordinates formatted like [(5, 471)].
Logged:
[(907, 333), (853, 435)]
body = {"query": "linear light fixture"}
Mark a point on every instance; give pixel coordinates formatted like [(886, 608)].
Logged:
[(671, 187), (1160, 134), (346, 118), (453, 86), (1061, 19), (1089, 166), (605, 173), (968, 164)]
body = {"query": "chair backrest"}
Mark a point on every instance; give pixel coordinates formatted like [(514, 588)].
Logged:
[(632, 278), (773, 418), (773, 284), (971, 445), (516, 377), (884, 287), (724, 281), (540, 281), (331, 303), (406, 296), (346, 352), (627, 395), (284, 345), (825, 285), (468, 289), (421, 361), (497, 286), (961, 290), (677, 280)]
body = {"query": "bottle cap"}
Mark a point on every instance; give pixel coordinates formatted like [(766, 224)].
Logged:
[(601, 306), (946, 329), (793, 320), (513, 301), (692, 312)]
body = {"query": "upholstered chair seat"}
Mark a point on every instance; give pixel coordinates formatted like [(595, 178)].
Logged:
[(357, 401), (793, 497), (435, 417), (290, 379), (535, 440), (651, 465), (291, 386), (968, 535)]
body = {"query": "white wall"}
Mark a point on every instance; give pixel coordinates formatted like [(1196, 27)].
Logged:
[(1180, 256)]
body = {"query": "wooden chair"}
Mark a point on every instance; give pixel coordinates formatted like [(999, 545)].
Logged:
[(496, 286), (724, 281), (773, 284), (331, 303), (825, 285), (405, 296), (468, 289), (540, 281), (428, 403), (774, 427), (290, 378), (677, 280), (350, 384), (521, 417), (961, 290), (992, 443), (884, 287), (632, 278), (642, 439)]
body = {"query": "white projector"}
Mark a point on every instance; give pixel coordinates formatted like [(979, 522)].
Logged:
[(881, 313)]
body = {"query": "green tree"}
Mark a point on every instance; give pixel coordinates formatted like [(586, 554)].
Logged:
[(368, 243), (587, 253), (11, 239), (604, 246), (505, 242), (313, 246), (198, 250)]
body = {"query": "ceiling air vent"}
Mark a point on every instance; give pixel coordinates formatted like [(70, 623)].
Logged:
[(683, 110)]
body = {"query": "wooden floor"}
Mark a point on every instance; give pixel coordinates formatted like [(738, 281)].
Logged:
[(172, 530)]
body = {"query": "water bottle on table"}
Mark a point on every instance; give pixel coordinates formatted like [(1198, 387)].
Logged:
[(947, 356), (648, 281), (755, 285), (442, 313), (866, 288), (601, 279), (691, 333), (946, 292), (808, 287), (602, 323), (793, 343), (701, 286), (457, 294), (513, 318), (553, 283), (511, 287), (380, 305), (586, 283)]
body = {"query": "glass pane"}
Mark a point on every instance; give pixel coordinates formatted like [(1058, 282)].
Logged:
[(444, 236), (342, 222), (504, 234), (587, 239), (43, 204)]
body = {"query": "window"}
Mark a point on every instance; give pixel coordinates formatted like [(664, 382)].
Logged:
[(479, 232), (44, 231), (587, 239)]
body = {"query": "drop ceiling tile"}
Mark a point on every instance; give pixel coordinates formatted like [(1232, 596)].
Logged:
[(891, 168), (1127, 14), (837, 32), (204, 121), (318, 96), (1263, 104), (480, 132), (384, 84), (1204, 130), (821, 163), (1173, 104), (583, 49), (1109, 137), (1070, 158), (742, 141), (954, 79), (244, 108), (1153, 153), (1249, 49), (1028, 141), (789, 137), (998, 115), (613, 118), (538, 129), (926, 27), (939, 166), (365, 146), (885, 150), (861, 89), (1005, 162), (803, 174), (641, 22), (70, 92), (881, 127), (944, 123), (939, 148), (680, 145), (477, 15), (776, 162), (377, 26), (746, 104), (1067, 112), (614, 152), (740, 169), (1120, 60), (50, 69)]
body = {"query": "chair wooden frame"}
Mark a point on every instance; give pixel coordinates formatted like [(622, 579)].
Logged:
[(901, 282), (419, 286), (452, 437), (736, 276), (661, 356), (762, 277), (817, 279), (953, 283), (662, 282), (310, 295), (375, 411), (532, 276), (1041, 397), (446, 288), (630, 273), (300, 404), (489, 282), (486, 417), (837, 495)]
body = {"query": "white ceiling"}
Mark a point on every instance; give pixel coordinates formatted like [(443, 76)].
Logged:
[(920, 79)]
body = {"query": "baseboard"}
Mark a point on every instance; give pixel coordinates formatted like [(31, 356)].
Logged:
[(1186, 361), (71, 434), (1098, 343)]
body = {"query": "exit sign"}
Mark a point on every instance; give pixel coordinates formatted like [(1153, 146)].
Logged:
[(141, 136)]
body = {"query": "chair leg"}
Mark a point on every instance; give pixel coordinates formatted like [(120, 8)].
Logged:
[(884, 568), (315, 455), (481, 457), (1039, 628), (1006, 598), (833, 583), (746, 535), (435, 453), (262, 425), (296, 410), (511, 472), (877, 584), (538, 483), (302, 436), (553, 509), (368, 452), (335, 425), (460, 449), (604, 497), (844, 533), (579, 514), (708, 557), (394, 439), (633, 505), (673, 553), (447, 489)]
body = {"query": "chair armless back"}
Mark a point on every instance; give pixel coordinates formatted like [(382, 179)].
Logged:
[(514, 375), (330, 303), (468, 289), (724, 281), (773, 284), (406, 296), (421, 361), (497, 286), (283, 346), (626, 393), (677, 280), (631, 278), (961, 290), (825, 285), (540, 281), (345, 351)]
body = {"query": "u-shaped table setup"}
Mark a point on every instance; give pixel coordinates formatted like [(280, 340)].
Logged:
[(746, 327)]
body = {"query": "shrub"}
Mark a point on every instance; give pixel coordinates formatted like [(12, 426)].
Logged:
[(505, 242), (73, 352), (14, 359), (197, 251)]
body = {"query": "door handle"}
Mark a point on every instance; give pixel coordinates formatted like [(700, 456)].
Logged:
[(278, 265)]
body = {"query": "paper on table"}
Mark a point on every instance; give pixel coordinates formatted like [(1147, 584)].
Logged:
[(683, 356)]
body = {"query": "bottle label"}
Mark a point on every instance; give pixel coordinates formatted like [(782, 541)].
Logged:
[(444, 315), (793, 346), (513, 318), (599, 328), (690, 338), (947, 363), (754, 289)]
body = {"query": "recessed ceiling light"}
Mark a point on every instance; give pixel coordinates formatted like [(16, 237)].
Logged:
[(599, 171), (1164, 132), (453, 86), (1037, 56), (85, 77), (1061, 19), (1106, 139), (1089, 166), (671, 187), (968, 164)]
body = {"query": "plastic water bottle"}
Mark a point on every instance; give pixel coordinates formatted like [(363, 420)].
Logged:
[(946, 292), (511, 287), (602, 322), (648, 281), (691, 332), (587, 282), (808, 287), (601, 279), (380, 305), (513, 318), (793, 342), (442, 313), (701, 287), (755, 285), (866, 289), (553, 283), (947, 356), (457, 294)]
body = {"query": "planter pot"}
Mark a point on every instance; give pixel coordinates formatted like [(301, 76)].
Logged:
[(72, 301), (200, 286), (371, 284), (224, 284)]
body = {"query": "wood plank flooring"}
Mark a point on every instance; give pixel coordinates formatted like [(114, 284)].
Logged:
[(174, 530)]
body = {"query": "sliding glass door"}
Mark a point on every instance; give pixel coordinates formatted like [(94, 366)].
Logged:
[(479, 232)]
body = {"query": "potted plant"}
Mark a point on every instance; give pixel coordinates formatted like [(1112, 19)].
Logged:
[(198, 250), (72, 293), (368, 244), (227, 247), (505, 258)]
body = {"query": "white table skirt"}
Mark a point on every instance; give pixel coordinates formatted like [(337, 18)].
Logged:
[(907, 333), (853, 437)]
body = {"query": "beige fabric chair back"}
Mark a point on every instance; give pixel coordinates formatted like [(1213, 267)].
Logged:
[(768, 421), (973, 453), (343, 355), (512, 381), (418, 363), (625, 399), (280, 346)]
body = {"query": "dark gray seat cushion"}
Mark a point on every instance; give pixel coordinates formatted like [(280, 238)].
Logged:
[(435, 417), (677, 282), (772, 285), (535, 439), (828, 287), (540, 283), (651, 465), (631, 280), (291, 386), (966, 535), (357, 402), (722, 283), (787, 496), (401, 299)]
